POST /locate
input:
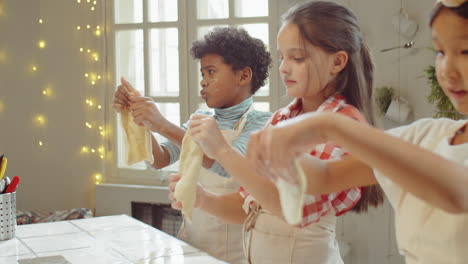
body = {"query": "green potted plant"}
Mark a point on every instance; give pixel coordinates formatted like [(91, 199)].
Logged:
[(438, 97), (383, 98)]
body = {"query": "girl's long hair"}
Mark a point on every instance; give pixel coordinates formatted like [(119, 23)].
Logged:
[(334, 28)]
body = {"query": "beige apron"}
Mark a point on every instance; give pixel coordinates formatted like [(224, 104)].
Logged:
[(207, 232), (426, 234), (269, 239)]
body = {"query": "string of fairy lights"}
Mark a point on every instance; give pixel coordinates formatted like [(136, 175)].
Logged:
[(92, 76)]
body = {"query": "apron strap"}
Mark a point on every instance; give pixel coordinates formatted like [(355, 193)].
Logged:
[(241, 123), (249, 223)]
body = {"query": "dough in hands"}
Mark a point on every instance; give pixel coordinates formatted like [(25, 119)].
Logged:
[(191, 158), (292, 195), (138, 140)]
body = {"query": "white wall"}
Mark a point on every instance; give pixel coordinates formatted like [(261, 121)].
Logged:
[(371, 235), (54, 176)]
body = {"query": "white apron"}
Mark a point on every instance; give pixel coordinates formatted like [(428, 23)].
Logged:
[(207, 232), (426, 234), (269, 239)]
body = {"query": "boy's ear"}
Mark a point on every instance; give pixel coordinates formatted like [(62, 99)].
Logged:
[(245, 75), (340, 59)]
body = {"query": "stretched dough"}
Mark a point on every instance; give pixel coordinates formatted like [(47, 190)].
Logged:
[(191, 158), (292, 195), (138, 140)]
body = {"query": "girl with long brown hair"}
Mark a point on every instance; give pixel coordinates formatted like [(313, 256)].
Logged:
[(422, 167)]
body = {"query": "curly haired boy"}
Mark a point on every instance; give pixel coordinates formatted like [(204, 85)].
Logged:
[(234, 66)]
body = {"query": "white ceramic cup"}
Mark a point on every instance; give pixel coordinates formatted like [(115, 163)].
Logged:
[(399, 110), (404, 25)]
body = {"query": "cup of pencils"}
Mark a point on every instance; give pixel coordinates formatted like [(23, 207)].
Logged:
[(7, 202)]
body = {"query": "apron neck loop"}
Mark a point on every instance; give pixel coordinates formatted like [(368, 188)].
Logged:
[(241, 123)]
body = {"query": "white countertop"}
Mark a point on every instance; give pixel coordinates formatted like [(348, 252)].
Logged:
[(106, 239)]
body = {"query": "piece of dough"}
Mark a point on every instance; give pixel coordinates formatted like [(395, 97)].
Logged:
[(191, 158), (138, 140), (292, 195)]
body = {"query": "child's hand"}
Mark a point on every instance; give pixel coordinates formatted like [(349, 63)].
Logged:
[(146, 113), (271, 154), (277, 146), (206, 134), (256, 149), (122, 95), (173, 179)]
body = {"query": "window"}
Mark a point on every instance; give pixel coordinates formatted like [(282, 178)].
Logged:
[(149, 43)]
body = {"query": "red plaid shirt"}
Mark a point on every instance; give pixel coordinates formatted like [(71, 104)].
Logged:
[(316, 206)]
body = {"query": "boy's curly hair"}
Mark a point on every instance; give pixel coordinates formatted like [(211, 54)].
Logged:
[(238, 50)]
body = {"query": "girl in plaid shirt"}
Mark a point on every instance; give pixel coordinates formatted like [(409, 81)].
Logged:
[(422, 167), (327, 68)]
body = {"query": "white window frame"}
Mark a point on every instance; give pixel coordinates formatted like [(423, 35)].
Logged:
[(188, 71)]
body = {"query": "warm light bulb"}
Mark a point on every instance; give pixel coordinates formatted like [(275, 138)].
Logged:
[(97, 32), (81, 49), (99, 77), (89, 102), (78, 1), (40, 143), (99, 106), (98, 27), (102, 156), (47, 91), (78, 27), (93, 82), (93, 150), (40, 119), (41, 44), (34, 68), (86, 75), (100, 127), (84, 149), (40, 21), (92, 8), (89, 51), (94, 2), (88, 1), (88, 26), (98, 178)]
